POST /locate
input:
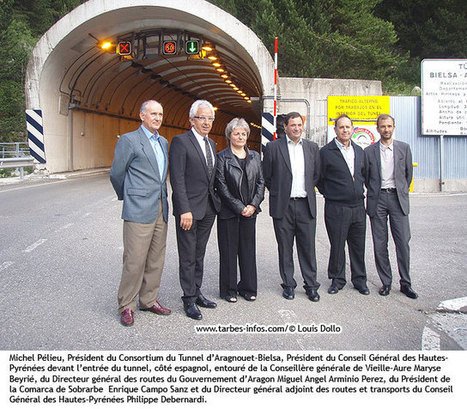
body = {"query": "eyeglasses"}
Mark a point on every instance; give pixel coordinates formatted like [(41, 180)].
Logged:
[(205, 118)]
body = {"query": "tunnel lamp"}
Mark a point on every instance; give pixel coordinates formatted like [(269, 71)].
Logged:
[(212, 57), (215, 108), (220, 70), (239, 91), (235, 88), (242, 94), (232, 85), (249, 101), (246, 98), (228, 81), (207, 48), (216, 64), (106, 45), (224, 76)]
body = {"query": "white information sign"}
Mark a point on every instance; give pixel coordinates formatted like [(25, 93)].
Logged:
[(444, 97)]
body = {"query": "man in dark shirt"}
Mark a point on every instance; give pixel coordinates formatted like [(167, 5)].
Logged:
[(341, 183)]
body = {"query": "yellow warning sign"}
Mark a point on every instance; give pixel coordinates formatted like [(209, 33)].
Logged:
[(362, 109)]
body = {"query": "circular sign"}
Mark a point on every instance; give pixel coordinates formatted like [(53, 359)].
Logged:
[(363, 137), (170, 47)]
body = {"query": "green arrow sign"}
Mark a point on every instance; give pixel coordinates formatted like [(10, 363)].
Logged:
[(192, 47)]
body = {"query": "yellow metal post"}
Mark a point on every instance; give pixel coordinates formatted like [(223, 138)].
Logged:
[(415, 164)]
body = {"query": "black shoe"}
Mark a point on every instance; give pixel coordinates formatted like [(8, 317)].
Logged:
[(202, 301), (408, 291), (363, 290), (248, 297), (230, 298), (333, 289), (313, 295), (288, 293), (385, 290), (193, 311)]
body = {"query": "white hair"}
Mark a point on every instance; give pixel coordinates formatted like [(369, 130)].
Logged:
[(200, 103)]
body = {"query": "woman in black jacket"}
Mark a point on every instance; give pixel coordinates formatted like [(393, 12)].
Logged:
[(240, 185)]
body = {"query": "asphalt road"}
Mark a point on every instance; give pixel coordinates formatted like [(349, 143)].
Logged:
[(60, 264)]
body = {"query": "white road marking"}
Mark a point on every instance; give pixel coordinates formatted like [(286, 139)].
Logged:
[(34, 245), (66, 226), (430, 340), (454, 305), (5, 265), (449, 319)]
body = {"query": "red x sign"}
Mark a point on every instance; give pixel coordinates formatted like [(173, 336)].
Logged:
[(124, 48)]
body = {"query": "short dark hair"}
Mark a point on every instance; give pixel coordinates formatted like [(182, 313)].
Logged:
[(385, 116), (340, 117), (291, 115)]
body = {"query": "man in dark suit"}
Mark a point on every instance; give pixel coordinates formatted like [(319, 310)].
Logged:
[(341, 183), (291, 171), (192, 159), (388, 174), (138, 175)]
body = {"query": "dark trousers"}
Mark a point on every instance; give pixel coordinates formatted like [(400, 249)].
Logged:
[(346, 224), (297, 225), (388, 206), (237, 242), (191, 250)]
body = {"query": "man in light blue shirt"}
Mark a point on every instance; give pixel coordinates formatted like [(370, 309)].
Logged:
[(138, 175)]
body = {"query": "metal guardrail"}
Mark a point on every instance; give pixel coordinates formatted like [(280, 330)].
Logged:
[(15, 155), (9, 163), (13, 149)]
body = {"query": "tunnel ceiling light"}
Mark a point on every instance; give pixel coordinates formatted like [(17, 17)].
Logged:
[(220, 69), (216, 64), (215, 108), (224, 76), (228, 81), (212, 57), (235, 88), (207, 48), (105, 45), (239, 91)]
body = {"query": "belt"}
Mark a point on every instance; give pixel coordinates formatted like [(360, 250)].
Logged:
[(297, 198), (389, 189)]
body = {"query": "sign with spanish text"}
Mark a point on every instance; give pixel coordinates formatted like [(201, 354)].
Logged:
[(444, 97), (363, 110)]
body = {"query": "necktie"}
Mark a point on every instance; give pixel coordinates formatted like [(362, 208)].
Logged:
[(209, 159)]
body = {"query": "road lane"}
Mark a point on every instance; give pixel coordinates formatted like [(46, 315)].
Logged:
[(60, 263)]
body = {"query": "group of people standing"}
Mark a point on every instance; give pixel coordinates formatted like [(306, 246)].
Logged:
[(231, 185)]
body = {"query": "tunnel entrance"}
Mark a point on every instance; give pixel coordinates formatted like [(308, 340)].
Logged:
[(88, 94)]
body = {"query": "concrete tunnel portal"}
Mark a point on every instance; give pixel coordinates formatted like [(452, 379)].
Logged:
[(88, 96)]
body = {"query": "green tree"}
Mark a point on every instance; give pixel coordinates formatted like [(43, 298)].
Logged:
[(330, 38), (426, 29), (22, 22), (17, 45)]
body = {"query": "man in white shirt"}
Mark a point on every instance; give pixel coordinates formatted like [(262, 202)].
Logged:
[(291, 171), (192, 162), (388, 174)]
